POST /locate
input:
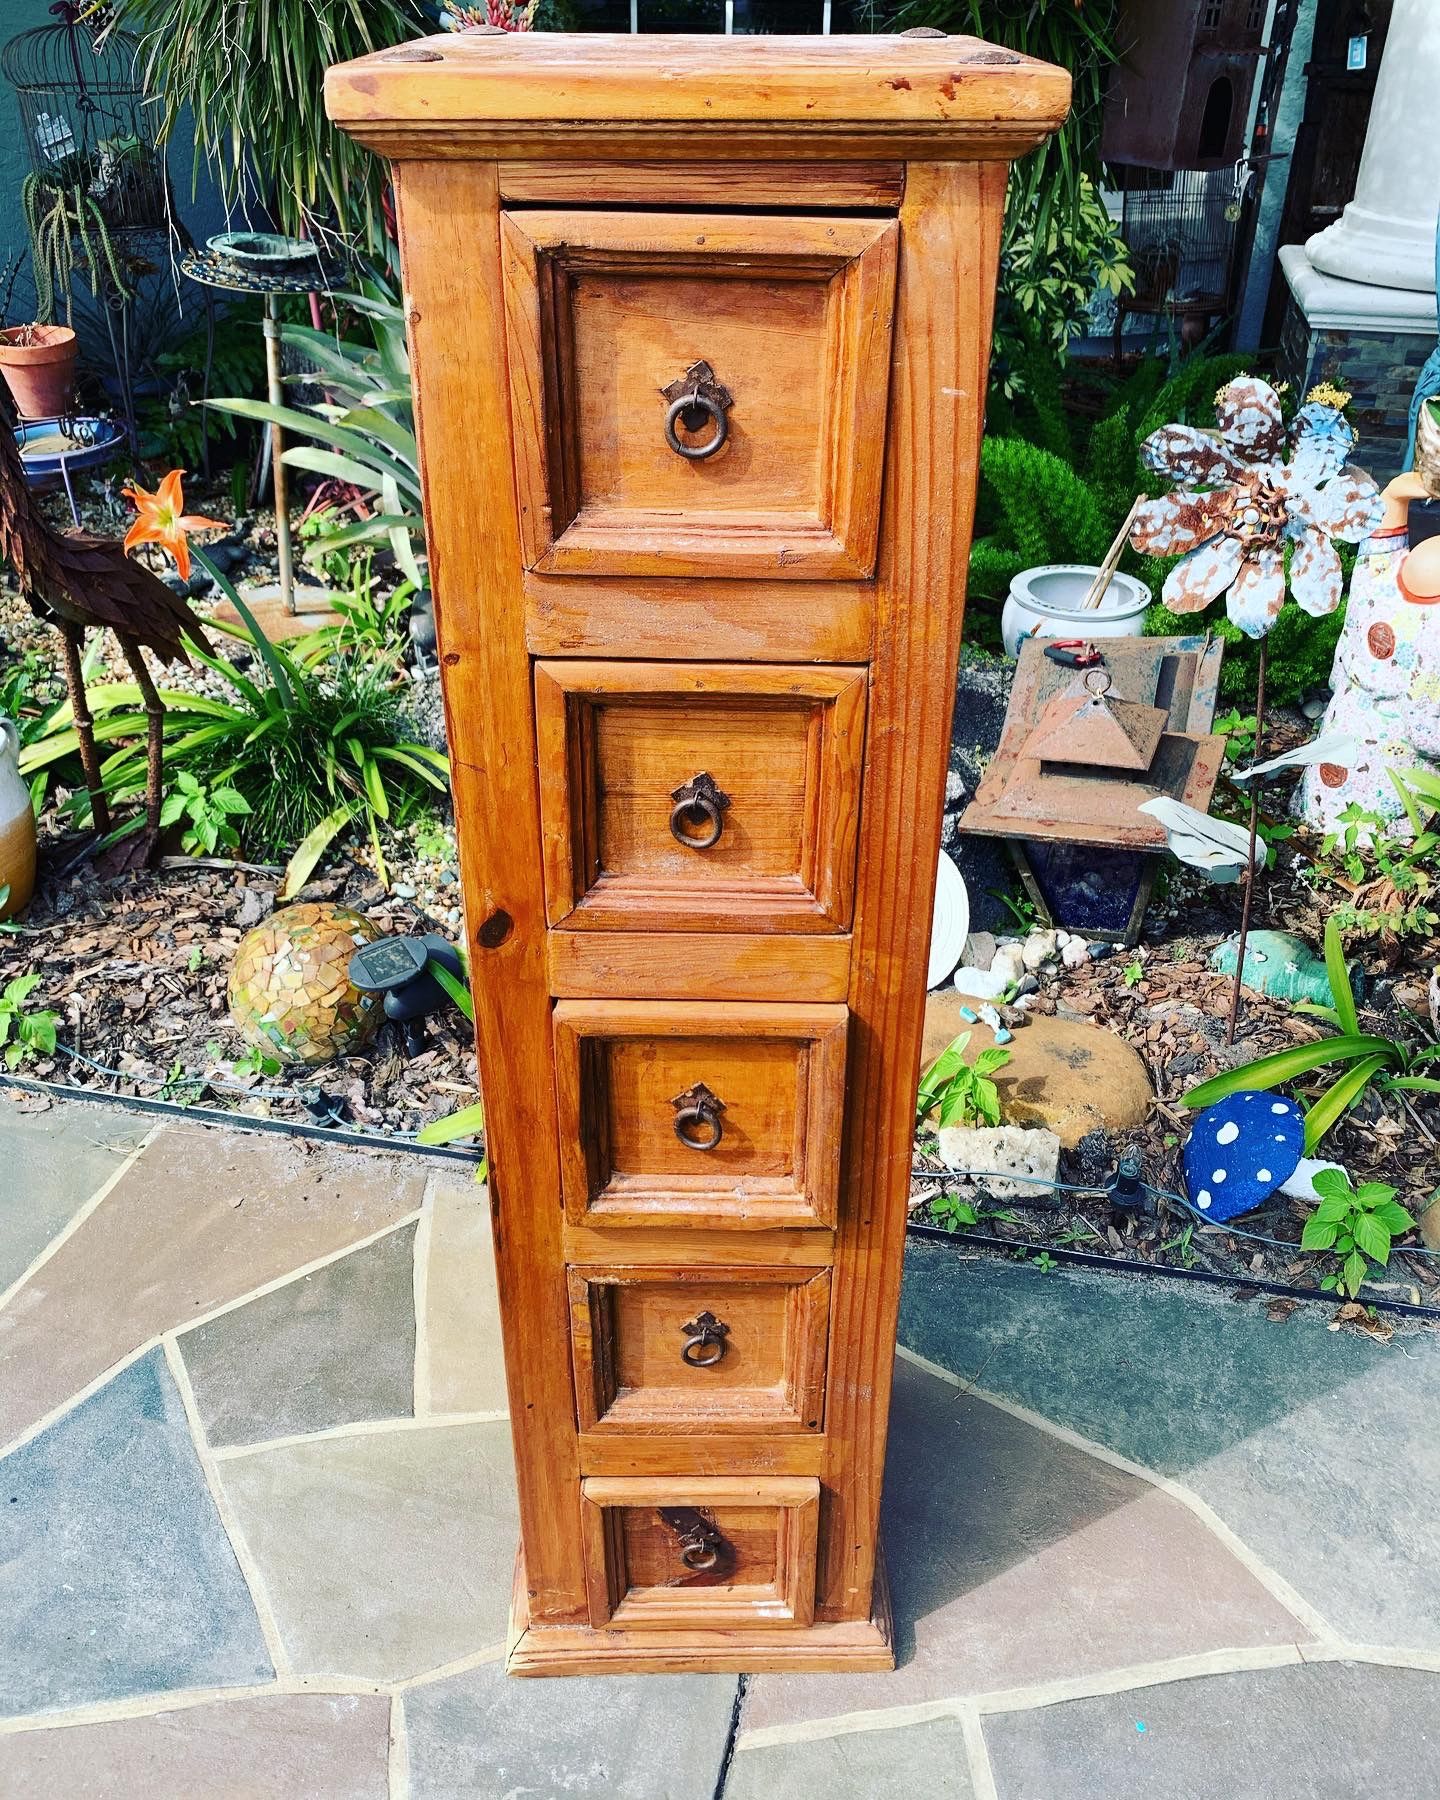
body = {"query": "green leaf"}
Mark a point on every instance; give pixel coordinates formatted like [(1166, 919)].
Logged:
[(1333, 1208), (469, 1121), (1374, 1193), (1334, 1184), (1353, 1272), (460, 995), (173, 806), (1415, 1084), (1340, 979), (1373, 1237), (1286, 1065), (1394, 1218), (1318, 1234), (20, 989), (298, 870), (1338, 1099)]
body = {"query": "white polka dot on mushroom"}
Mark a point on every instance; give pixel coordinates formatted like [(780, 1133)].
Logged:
[(1202, 1199), (1280, 1107), (1263, 1175), (1227, 1134), (1217, 1176)]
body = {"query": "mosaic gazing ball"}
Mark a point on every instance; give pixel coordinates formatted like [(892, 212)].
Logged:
[(290, 993)]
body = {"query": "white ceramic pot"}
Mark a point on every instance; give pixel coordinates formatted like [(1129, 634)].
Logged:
[(1045, 602), (17, 826)]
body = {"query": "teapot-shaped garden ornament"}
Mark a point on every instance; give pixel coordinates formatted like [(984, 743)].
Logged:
[(17, 827)]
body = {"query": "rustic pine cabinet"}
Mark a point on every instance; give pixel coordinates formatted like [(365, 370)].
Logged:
[(700, 330)]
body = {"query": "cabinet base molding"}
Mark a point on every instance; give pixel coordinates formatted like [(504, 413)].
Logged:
[(861, 1646)]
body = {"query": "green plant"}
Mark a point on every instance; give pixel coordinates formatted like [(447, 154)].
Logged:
[(248, 81), (1389, 880), (369, 440), (1050, 270), (1181, 1245), (963, 1092), (1356, 1225), (465, 1122), (24, 1033), (32, 695), (207, 811), (175, 431), (1238, 733), (254, 1061), (1021, 908), (1045, 1262), (1134, 974), (1362, 1057), (311, 744), (68, 232)]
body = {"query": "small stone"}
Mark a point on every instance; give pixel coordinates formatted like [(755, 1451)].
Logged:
[(255, 904), (453, 916), (403, 890), (1038, 948), (980, 984), (970, 1017), (448, 877), (1314, 707), (1099, 951), (980, 949), (1008, 964), (1062, 938), (1075, 954), (955, 787), (999, 1150), (1029, 984)]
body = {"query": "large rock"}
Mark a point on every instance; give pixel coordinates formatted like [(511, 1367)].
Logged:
[(1067, 1075)]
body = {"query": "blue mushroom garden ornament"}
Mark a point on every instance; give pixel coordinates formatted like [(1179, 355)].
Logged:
[(1240, 1151)]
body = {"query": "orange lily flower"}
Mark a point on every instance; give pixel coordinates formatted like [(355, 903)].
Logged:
[(161, 519)]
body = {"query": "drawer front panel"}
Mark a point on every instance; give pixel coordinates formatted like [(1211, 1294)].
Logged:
[(700, 796), (699, 1350), (774, 467), (675, 1552), (675, 1113)]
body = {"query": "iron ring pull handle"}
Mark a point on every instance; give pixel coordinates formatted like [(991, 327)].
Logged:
[(695, 398), (698, 1109), (692, 410), (702, 1546), (705, 1343), (699, 798)]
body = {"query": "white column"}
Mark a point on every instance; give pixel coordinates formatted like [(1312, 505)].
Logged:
[(1386, 235)]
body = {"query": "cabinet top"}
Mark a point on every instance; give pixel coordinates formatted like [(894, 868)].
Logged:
[(697, 97)]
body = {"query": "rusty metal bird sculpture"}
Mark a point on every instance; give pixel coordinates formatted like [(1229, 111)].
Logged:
[(76, 581)]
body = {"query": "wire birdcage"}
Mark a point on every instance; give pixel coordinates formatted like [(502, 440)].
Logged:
[(1180, 226), (87, 127)]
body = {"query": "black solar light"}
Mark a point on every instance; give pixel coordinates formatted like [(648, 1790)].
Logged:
[(402, 969)]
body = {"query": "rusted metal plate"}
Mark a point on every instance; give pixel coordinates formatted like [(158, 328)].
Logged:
[(1060, 798), (1097, 729)]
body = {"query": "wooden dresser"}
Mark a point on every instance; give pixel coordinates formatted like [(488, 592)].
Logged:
[(700, 329)]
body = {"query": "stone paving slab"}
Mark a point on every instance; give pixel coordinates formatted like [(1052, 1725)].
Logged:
[(1015, 1558), (464, 1359), (385, 1554), (484, 1735), (327, 1349), (1322, 1731), (116, 1576), (51, 1163), (1304, 1440), (927, 1761), (271, 1747), (200, 1218)]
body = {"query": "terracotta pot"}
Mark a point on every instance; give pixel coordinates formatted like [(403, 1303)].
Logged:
[(17, 827), (38, 363)]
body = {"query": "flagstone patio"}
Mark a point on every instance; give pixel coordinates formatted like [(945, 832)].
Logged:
[(257, 1519)]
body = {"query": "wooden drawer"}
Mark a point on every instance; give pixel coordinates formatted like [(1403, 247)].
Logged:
[(666, 1552), (699, 796), (606, 311), (689, 1350), (645, 1086)]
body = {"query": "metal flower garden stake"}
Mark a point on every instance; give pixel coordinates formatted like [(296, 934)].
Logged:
[(1256, 509)]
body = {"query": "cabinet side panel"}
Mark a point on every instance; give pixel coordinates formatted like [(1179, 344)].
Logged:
[(450, 239), (950, 226)]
